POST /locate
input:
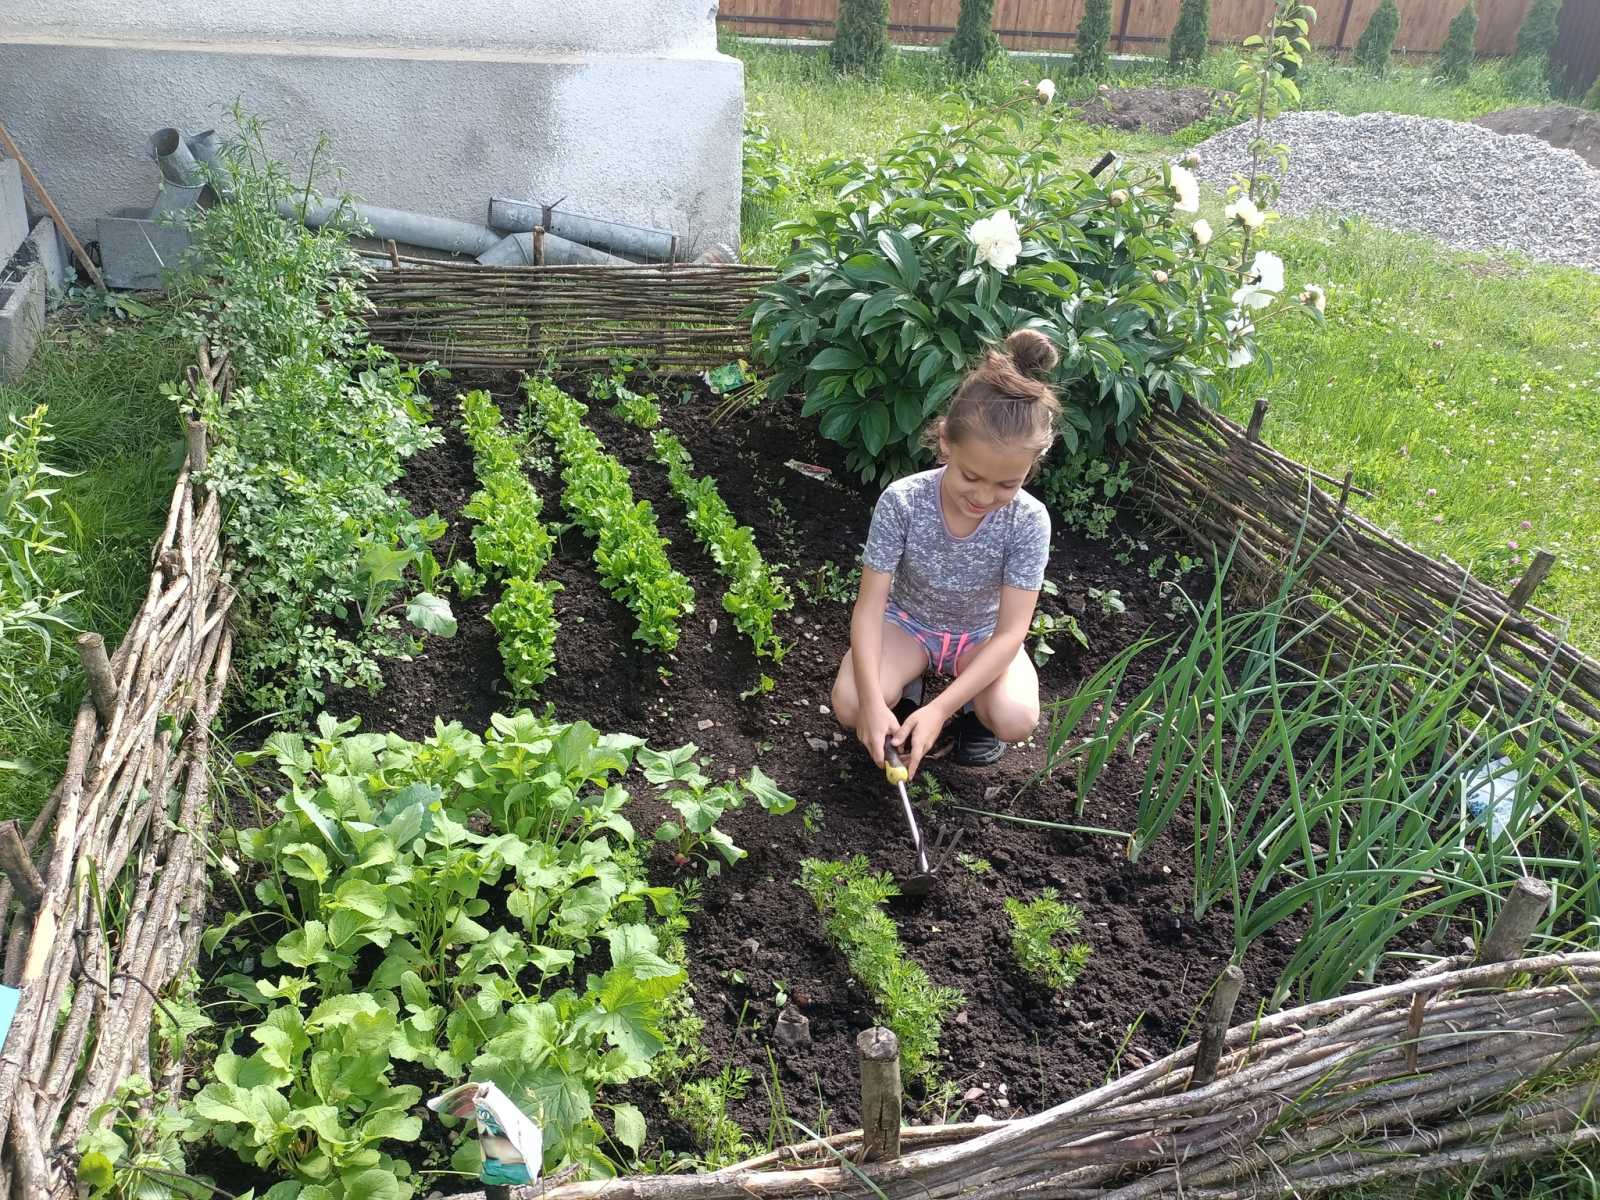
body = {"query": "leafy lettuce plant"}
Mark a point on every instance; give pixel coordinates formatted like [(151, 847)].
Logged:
[(755, 593), (512, 544), (630, 552), (961, 234)]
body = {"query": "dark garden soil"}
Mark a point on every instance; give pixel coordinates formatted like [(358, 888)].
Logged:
[(1562, 125), (1154, 110), (1152, 963)]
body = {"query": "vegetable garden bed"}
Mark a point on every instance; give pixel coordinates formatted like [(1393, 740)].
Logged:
[(757, 938)]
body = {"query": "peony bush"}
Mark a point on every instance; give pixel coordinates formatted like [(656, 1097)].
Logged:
[(964, 233)]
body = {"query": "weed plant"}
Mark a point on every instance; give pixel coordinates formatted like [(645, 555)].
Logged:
[(850, 896)]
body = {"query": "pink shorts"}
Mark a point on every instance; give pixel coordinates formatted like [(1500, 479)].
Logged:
[(943, 647)]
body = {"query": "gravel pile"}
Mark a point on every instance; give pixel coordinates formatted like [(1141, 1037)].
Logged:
[(1463, 184)]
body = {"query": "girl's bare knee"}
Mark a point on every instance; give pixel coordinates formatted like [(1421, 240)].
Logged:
[(843, 702), (1009, 720)]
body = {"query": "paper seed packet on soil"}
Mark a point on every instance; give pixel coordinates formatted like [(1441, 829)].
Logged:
[(511, 1144)]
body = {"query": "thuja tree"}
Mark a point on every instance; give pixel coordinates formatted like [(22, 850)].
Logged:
[(861, 37), (1094, 31), (1377, 39), (975, 42), (1539, 31), (1190, 36), (1459, 51)]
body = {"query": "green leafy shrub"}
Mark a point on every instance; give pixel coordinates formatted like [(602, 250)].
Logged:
[(975, 44), (860, 37), (512, 544), (1035, 927), (958, 236), (382, 870), (850, 896), (1460, 49), (1089, 57), (770, 179), (308, 443), (630, 551), (1540, 29), (1191, 36), (1591, 98), (1377, 39)]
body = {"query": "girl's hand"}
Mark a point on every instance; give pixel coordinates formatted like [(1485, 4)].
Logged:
[(875, 728), (917, 735)]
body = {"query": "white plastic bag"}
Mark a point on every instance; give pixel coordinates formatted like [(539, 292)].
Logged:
[(1492, 789), (512, 1145)]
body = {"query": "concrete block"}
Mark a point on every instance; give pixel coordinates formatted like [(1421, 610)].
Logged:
[(13, 210), (49, 253), (22, 307), (136, 252)]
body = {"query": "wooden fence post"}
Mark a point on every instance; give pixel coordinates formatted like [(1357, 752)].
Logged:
[(97, 666), (1215, 1031), (19, 868), (1529, 901), (1122, 26), (880, 1094), (1258, 415), (1543, 560)]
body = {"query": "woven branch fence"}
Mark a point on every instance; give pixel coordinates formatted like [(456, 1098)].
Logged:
[(513, 318), (1222, 485), (1456, 1067), (103, 902)]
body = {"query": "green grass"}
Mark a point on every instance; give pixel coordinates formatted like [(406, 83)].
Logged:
[(1477, 380), (123, 441)]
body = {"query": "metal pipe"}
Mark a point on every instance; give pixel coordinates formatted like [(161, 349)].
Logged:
[(177, 163), (207, 149), (633, 241), (518, 250), (176, 197), (409, 228)]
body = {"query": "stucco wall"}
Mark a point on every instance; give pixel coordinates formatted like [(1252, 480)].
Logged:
[(625, 109)]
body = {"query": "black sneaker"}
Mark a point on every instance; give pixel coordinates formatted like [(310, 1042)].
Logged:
[(975, 745)]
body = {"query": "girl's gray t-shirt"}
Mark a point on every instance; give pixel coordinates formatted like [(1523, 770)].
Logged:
[(953, 583)]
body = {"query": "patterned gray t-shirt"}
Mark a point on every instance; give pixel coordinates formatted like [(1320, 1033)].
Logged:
[(953, 583)]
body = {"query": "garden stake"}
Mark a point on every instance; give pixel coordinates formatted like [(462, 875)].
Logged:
[(944, 841)]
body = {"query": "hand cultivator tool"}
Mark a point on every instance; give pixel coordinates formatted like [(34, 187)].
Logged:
[(944, 840)]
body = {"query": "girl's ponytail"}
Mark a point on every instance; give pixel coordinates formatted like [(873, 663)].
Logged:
[(1007, 397)]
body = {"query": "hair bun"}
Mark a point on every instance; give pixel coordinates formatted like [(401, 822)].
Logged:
[(1032, 352)]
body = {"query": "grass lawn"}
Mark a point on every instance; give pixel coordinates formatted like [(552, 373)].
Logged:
[(1474, 376), (122, 441)]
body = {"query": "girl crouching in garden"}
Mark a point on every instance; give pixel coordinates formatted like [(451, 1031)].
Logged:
[(952, 570)]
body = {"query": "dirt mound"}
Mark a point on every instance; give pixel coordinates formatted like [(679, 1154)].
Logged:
[(1155, 110), (1561, 125)]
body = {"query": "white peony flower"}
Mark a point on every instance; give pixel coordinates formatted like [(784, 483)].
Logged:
[(1191, 159), (1264, 282), (1188, 189), (1045, 92), (1244, 211), (997, 240), (1202, 232), (1239, 327), (1315, 297)]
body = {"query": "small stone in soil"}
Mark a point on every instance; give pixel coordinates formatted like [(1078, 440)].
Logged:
[(1002, 1103), (961, 1018), (712, 625), (704, 723), (818, 744), (824, 709), (750, 946), (992, 793), (972, 1095)]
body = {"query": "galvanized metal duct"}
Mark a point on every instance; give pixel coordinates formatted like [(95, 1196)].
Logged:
[(528, 249), (633, 241), (414, 229), (177, 163)]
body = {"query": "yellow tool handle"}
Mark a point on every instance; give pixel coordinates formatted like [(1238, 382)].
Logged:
[(893, 769)]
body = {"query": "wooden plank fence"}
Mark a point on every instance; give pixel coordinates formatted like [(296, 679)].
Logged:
[(1142, 25)]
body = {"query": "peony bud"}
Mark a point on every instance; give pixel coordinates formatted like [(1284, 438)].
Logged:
[(1118, 198), (1191, 159), (1045, 92), (1159, 276)]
